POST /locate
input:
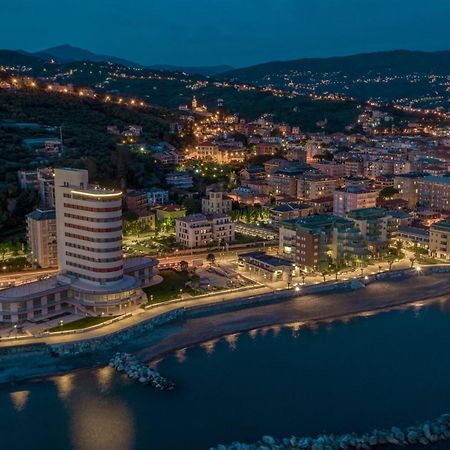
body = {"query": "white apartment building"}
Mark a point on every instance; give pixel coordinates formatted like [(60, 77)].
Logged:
[(200, 230), (351, 198), (41, 236), (216, 201)]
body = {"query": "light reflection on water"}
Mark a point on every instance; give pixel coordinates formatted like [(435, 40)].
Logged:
[(100, 424), (390, 369), (64, 385), (19, 399)]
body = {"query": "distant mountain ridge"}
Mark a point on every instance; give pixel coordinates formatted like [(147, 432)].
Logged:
[(396, 61), (68, 53)]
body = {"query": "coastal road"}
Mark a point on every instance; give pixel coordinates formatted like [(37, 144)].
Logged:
[(414, 291), (378, 295)]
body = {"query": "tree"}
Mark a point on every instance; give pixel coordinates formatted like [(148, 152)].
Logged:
[(184, 266), (388, 192), (192, 205), (3, 249), (211, 258)]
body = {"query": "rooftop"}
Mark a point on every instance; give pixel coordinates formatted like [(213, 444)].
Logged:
[(266, 259), (414, 231), (367, 213), (286, 207), (436, 179), (443, 225), (42, 215)]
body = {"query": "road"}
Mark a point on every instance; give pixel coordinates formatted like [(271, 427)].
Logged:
[(18, 278)]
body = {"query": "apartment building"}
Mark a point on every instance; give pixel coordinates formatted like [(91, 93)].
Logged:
[(376, 226), (434, 193), (28, 180), (408, 187), (200, 230), (353, 197), (137, 201), (41, 237), (439, 243), (314, 186), (216, 201), (321, 239), (46, 188), (284, 180)]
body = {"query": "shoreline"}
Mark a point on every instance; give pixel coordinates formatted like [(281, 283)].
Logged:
[(307, 323), (305, 310)]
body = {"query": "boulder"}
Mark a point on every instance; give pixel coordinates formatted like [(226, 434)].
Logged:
[(269, 440)]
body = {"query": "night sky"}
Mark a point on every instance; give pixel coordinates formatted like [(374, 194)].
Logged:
[(235, 32)]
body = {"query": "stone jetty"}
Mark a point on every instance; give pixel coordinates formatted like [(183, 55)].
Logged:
[(424, 434), (137, 370)]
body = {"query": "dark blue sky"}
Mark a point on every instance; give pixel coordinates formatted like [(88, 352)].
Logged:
[(236, 32)]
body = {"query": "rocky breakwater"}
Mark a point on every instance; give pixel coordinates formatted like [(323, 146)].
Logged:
[(137, 370), (424, 434)]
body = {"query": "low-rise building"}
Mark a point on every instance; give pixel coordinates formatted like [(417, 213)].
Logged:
[(267, 267), (414, 236), (157, 196), (181, 180), (287, 211), (172, 211)]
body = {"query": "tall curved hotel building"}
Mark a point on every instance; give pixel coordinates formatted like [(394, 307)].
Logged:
[(93, 278), (89, 229)]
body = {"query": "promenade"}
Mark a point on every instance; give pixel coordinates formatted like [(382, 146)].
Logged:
[(414, 290)]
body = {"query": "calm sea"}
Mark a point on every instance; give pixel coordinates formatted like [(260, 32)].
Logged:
[(379, 371)]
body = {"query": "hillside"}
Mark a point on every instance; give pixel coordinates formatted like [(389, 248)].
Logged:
[(15, 58), (398, 61), (393, 75), (86, 143)]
